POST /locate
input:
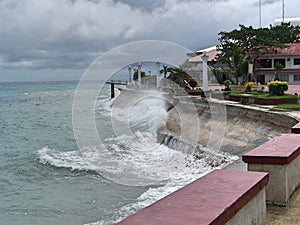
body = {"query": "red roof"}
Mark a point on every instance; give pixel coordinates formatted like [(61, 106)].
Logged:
[(292, 49)]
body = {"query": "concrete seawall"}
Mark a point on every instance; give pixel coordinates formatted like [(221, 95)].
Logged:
[(219, 125), (226, 127)]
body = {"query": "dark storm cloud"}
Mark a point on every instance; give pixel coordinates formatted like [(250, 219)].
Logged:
[(59, 34)]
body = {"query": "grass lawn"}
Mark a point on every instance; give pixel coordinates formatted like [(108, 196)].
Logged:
[(294, 107), (262, 94)]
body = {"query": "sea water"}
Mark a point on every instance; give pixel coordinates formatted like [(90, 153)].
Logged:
[(45, 177)]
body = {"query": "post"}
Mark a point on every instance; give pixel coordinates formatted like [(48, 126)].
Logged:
[(130, 75), (112, 90), (158, 73), (205, 72), (139, 75), (250, 71)]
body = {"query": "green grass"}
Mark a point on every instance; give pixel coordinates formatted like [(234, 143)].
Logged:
[(262, 94), (294, 107)]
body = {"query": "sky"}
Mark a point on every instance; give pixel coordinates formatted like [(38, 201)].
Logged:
[(59, 39)]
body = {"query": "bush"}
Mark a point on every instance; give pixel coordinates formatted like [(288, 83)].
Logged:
[(277, 87), (227, 83), (249, 86), (193, 83)]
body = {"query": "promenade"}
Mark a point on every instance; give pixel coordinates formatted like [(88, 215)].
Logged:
[(289, 215), (277, 215)]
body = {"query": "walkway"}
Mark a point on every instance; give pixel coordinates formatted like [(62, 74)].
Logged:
[(289, 215), (294, 88), (277, 215)]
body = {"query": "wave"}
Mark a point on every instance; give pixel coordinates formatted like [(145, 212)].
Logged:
[(130, 154), (61, 159), (181, 169)]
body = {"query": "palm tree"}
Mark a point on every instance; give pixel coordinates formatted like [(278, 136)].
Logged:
[(165, 71), (178, 75), (278, 68), (238, 64)]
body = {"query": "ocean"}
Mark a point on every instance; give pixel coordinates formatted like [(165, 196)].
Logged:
[(47, 179)]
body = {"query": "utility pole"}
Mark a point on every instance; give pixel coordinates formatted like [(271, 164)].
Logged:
[(260, 13), (282, 11)]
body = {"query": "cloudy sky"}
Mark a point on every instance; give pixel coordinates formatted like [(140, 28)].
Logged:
[(59, 39)]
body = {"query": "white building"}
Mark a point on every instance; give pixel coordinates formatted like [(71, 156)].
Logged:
[(294, 21), (196, 63), (289, 57)]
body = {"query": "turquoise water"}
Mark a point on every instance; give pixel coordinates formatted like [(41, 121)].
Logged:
[(44, 177), (36, 116)]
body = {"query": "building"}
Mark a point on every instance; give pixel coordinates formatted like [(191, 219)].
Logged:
[(294, 21), (288, 57), (196, 63)]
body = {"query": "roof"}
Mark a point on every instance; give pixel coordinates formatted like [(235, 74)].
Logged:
[(293, 21), (211, 52), (292, 49)]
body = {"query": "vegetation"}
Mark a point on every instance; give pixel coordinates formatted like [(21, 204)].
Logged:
[(178, 76), (277, 87), (259, 94), (295, 107), (165, 70), (220, 74), (278, 68), (249, 86), (227, 83), (193, 83), (242, 46), (135, 74)]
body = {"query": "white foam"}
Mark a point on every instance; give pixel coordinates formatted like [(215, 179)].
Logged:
[(133, 157), (60, 159), (194, 167)]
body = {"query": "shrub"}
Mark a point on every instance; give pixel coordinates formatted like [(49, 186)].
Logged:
[(277, 87), (249, 86), (193, 83), (227, 83)]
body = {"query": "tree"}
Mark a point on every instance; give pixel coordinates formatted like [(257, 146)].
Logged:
[(164, 70), (237, 63), (220, 74), (193, 83), (286, 33), (278, 68), (248, 44), (178, 76), (135, 74)]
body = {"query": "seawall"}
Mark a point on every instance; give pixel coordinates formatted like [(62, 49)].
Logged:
[(220, 125), (227, 127)]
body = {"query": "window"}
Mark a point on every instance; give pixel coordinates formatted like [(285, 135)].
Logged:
[(265, 63), (296, 61), (281, 61), (297, 77), (284, 77)]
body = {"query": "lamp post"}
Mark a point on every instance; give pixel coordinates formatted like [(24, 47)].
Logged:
[(158, 63), (204, 58), (139, 74), (129, 71)]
